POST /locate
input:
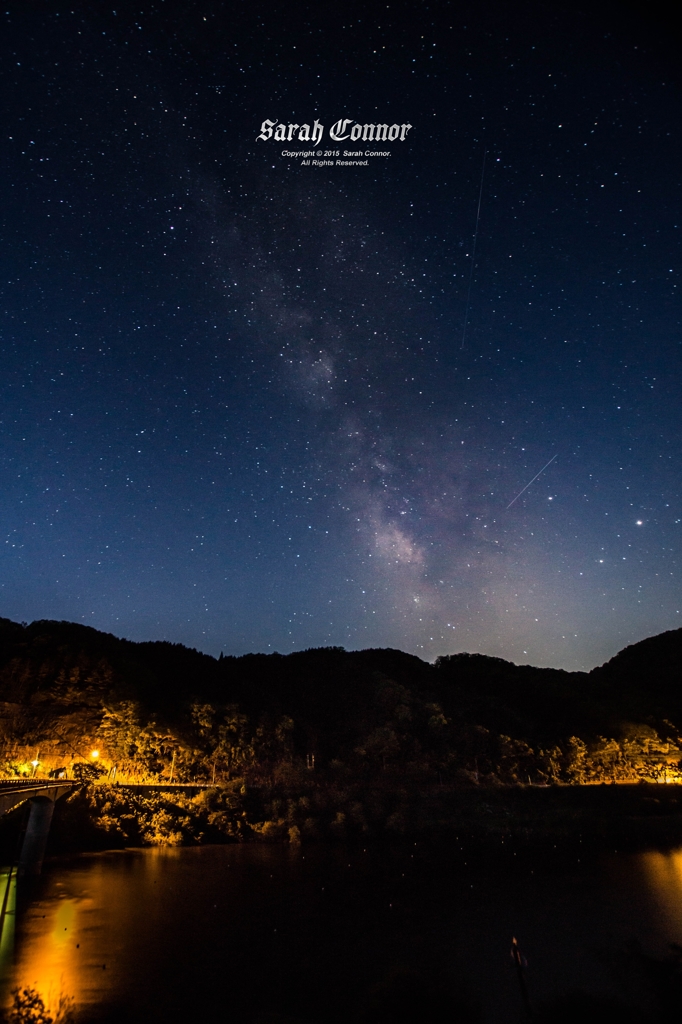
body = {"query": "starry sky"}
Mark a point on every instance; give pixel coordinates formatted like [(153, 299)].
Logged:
[(252, 405)]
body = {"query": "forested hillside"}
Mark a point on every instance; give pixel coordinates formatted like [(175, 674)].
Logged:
[(160, 710)]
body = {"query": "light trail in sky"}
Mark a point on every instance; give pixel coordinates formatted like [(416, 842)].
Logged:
[(531, 481)]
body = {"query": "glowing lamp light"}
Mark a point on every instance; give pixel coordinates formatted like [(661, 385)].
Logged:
[(94, 754), (35, 763)]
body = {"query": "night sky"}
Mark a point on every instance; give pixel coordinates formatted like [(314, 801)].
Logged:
[(240, 409)]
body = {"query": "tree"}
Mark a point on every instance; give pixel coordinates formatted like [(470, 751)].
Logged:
[(87, 771), (28, 1007), (575, 761)]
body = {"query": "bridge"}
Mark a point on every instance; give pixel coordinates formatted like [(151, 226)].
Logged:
[(15, 791), (42, 794)]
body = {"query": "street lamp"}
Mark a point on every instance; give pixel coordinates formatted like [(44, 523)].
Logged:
[(35, 768), (94, 754)]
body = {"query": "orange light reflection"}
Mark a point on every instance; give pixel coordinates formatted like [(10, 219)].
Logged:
[(663, 872), (46, 959)]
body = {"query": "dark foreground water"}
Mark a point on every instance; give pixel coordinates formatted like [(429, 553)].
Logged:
[(236, 933)]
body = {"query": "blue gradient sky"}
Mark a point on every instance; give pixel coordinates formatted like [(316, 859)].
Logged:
[(236, 408)]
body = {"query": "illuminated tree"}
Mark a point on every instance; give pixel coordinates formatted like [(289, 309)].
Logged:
[(28, 1007)]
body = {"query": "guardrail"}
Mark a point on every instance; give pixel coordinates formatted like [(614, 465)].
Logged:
[(166, 785), (32, 783)]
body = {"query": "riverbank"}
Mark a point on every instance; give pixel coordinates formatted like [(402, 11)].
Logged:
[(114, 817)]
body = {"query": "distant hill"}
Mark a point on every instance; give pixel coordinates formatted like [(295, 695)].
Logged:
[(645, 679), (337, 698)]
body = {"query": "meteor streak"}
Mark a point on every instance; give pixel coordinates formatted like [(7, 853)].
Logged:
[(531, 481)]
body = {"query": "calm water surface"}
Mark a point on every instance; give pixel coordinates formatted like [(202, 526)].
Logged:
[(177, 934)]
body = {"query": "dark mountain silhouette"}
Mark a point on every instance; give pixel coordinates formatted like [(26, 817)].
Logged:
[(332, 695), (644, 680)]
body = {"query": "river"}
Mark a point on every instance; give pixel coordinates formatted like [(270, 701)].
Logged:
[(279, 933)]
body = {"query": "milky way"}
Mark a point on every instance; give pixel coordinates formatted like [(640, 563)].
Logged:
[(237, 411)]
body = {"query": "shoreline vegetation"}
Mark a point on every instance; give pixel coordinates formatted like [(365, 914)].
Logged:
[(526, 819), (333, 745)]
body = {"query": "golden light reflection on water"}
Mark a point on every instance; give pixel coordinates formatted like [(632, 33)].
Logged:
[(46, 959), (73, 940), (663, 873)]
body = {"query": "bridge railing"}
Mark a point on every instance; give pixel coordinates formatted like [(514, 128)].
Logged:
[(122, 782), (32, 783)]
